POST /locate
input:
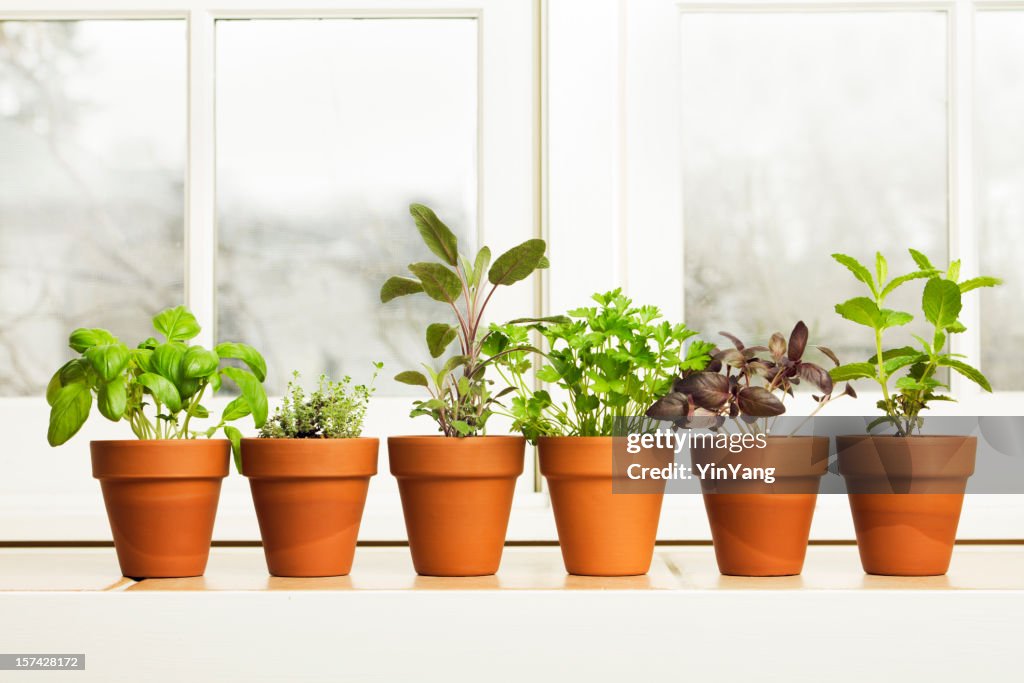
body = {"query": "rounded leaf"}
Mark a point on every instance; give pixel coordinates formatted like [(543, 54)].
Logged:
[(253, 392), (162, 389), (399, 286), (108, 360), (112, 399), (69, 412), (517, 263), (199, 362), (759, 402), (176, 324), (245, 353)]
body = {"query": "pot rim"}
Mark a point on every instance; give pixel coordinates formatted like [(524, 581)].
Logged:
[(120, 443), (260, 439), (438, 437)]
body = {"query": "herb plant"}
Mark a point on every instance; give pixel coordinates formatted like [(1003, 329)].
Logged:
[(913, 368), (461, 397), (610, 362), (748, 384), (171, 377), (334, 410)]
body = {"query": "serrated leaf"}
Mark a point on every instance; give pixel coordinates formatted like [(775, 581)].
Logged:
[(176, 324), (941, 302), (245, 353), (862, 311), (162, 389), (881, 268), (437, 236), (439, 282), (439, 337), (967, 371), (921, 260), (850, 371), (893, 364), (413, 378), (399, 286), (976, 282), (517, 263), (892, 318), (858, 269), (903, 279)]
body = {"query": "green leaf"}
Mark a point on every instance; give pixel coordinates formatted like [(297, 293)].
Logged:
[(850, 371), (861, 310), (253, 392), (903, 279), (108, 360), (176, 324), (921, 260), (544, 263), (235, 437), (858, 269), (941, 302), (881, 268), (167, 359), (461, 427), (437, 236), (894, 318), (412, 377), (439, 336), (245, 353), (517, 263), (199, 362), (236, 409), (976, 282), (451, 364), (483, 260), (69, 412), (954, 271), (399, 286), (162, 389), (967, 371), (438, 281), (112, 399), (74, 371), (84, 339), (198, 410), (893, 364)]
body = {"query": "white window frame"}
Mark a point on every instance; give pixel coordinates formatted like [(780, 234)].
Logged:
[(507, 213), (614, 188)]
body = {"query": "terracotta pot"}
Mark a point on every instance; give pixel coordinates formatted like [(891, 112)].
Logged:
[(456, 497), (906, 495), (761, 529), (309, 496), (161, 499), (607, 524)]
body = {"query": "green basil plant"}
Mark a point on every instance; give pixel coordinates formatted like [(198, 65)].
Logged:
[(169, 377)]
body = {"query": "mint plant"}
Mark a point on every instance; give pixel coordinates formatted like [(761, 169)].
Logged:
[(610, 361), (914, 369), (748, 384), (168, 377), (334, 410), (461, 397)]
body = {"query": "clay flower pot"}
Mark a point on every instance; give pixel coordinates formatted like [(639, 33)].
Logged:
[(457, 498), (161, 499), (761, 529), (906, 494), (309, 496), (602, 532)]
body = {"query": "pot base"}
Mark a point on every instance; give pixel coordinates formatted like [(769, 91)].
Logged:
[(906, 534), (760, 534)]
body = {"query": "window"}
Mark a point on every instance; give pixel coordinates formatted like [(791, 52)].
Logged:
[(92, 128), (1000, 188), (318, 157), (803, 133)]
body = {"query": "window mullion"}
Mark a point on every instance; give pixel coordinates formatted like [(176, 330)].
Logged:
[(962, 230), (200, 233)]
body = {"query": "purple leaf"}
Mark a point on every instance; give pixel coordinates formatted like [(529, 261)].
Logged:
[(830, 353), (797, 341), (735, 341), (777, 345), (759, 402), (707, 389), (817, 376), (672, 407)]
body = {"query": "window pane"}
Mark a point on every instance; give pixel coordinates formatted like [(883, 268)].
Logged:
[(327, 130), (804, 135), (999, 56), (92, 142)]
